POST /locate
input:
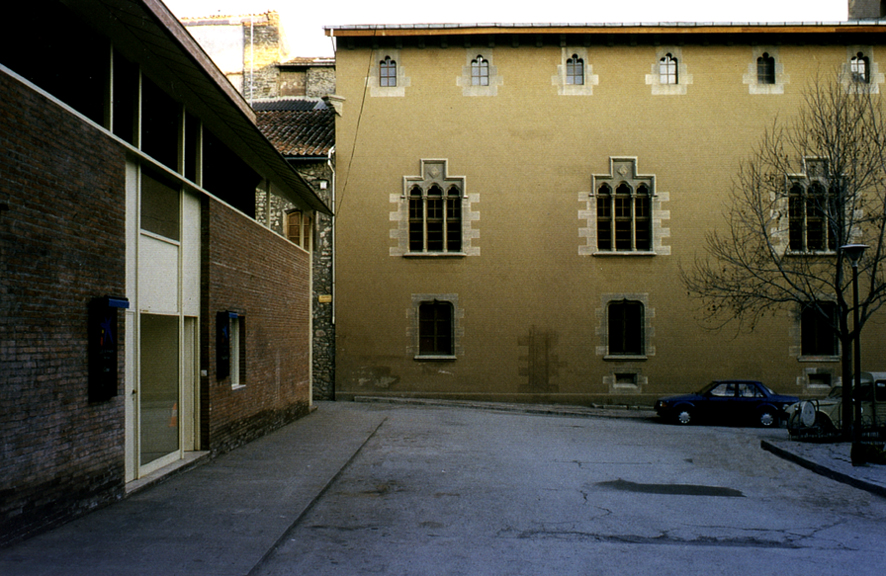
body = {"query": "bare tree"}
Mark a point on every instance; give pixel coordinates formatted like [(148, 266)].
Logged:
[(816, 182)]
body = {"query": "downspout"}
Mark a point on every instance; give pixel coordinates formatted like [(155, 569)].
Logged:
[(332, 232)]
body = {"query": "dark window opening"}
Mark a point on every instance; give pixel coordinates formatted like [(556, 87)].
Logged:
[(818, 337), (54, 48), (626, 328), (160, 207), (624, 219), (766, 69), (227, 176), (435, 219), (604, 217), (125, 98), (161, 125), (435, 329)]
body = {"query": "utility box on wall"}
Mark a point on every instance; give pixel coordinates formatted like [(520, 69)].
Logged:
[(102, 335)]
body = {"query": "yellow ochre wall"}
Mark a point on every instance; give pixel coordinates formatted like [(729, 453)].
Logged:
[(528, 154)]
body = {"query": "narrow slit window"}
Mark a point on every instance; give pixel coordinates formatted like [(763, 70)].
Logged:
[(575, 70), (604, 218)]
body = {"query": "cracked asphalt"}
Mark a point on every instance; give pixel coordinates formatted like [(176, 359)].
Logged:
[(407, 489), (451, 491)]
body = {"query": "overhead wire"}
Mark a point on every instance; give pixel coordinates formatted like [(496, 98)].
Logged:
[(341, 198)]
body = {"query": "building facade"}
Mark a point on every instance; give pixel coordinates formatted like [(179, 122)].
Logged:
[(288, 97), (518, 203), (303, 131), (146, 317)]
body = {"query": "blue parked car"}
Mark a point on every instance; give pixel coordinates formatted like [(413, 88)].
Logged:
[(728, 401)]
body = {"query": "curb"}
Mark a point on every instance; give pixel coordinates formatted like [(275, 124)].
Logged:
[(594, 411), (826, 471)]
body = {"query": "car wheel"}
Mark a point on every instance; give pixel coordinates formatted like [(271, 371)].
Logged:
[(683, 415), (768, 418)]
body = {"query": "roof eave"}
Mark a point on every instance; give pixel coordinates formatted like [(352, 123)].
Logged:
[(392, 30), (137, 27)]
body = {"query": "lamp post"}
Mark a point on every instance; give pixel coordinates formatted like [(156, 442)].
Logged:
[(854, 252)]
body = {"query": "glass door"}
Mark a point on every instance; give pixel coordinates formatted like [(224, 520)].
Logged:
[(159, 401)]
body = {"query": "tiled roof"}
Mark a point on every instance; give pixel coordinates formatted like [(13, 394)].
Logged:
[(299, 132), (297, 103)]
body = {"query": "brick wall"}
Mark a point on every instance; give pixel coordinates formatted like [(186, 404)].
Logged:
[(251, 270), (61, 244)]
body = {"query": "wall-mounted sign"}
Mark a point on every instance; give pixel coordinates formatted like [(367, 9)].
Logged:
[(102, 338)]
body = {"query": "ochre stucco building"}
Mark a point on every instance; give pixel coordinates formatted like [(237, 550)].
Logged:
[(515, 204)]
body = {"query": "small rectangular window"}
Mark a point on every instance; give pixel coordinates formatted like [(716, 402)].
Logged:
[(818, 337), (435, 328), (160, 208), (300, 229), (230, 347), (238, 351), (626, 328)]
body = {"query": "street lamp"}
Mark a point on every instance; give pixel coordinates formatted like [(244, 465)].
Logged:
[(854, 252)]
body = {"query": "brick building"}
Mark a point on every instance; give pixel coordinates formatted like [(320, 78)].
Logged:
[(146, 317), (519, 201), (290, 98)]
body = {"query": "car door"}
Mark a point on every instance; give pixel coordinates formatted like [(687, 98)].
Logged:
[(748, 400), (720, 400)]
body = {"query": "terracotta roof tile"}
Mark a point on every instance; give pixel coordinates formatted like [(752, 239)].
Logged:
[(299, 132)]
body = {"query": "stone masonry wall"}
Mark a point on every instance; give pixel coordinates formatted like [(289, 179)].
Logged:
[(320, 81), (62, 243)]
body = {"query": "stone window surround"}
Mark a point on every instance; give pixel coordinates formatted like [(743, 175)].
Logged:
[(781, 210), (683, 77), (875, 76), (372, 81), (617, 165), (412, 329), (750, 77), (559, 80), (465, 81), (433, 170), (613, 380), (602, 329), (805, 380)]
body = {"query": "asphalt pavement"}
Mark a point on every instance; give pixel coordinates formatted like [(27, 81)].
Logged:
[(255, 494)]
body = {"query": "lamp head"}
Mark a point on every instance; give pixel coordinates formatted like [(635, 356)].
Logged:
[(854, 252)]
